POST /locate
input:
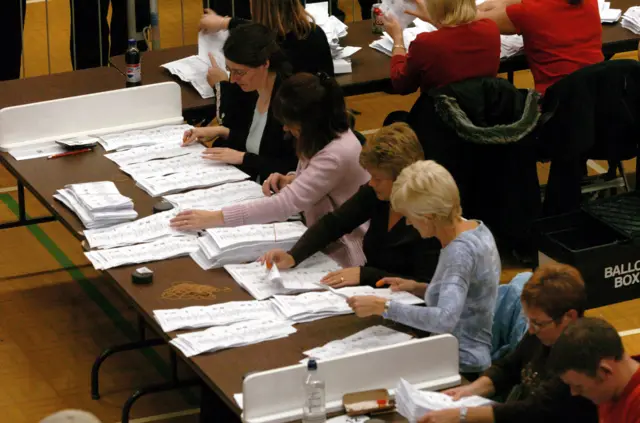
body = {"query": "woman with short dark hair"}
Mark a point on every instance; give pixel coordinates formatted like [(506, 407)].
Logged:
[(313, 110), (249, 136)]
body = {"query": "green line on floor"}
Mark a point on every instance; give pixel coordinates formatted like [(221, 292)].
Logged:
[(90, 289)]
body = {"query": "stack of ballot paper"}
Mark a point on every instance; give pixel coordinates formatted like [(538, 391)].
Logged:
[(186, 163), (220, 246), (193, 69), (97, 204), (262, 283), (311, 306), (199, 178), (334, 30), (147, 229), (217, 197), (373, 337), (215, 315), (161, 249), (171, 134), (412, 403), (127, 158), (235, 335), (607, 14), (631, 19)]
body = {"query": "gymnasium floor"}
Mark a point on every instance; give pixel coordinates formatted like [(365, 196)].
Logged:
[(58, 313)]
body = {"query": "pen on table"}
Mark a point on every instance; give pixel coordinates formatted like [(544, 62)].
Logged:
[(70, 153)]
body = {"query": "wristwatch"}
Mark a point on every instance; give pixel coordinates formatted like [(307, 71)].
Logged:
[(463, 414), (386, 306)]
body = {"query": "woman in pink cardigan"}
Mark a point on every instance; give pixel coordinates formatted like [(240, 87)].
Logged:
[(313, 110)]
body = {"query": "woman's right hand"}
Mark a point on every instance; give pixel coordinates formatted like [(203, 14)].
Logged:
[(280, 258), (276, 182), (212, 22), (460, 392), (199, 134), (398, 284), (420, 11)]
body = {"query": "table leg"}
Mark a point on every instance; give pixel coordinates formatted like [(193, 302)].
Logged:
[(23, 220)]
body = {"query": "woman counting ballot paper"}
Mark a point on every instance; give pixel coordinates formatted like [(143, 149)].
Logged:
[(251, 137), (462, 294), (313, 110), (391, 247)]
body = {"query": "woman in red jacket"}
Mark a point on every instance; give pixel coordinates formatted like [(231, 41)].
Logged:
[(463, 47), (560, 36)]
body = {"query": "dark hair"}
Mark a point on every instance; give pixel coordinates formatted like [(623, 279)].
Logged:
[(583, 345), (555, 289), (284, 17), (253, 45), (316, 104)]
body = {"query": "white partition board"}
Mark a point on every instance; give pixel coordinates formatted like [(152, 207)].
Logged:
[(92, 114), (276, 396)]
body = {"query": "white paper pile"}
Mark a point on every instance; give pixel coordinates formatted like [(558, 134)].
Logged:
[(147, 229), (171, 134), (334, 30), (200, 178), (385, 43), (97, 204), (235, 335), (161, 249), (262, 283), (153, 152), (193, 69), (412, 403), (220, 246), (311, 306), (215, 315), (510, 45), (373, 337), (187, 163), (217, 197), (398, 296), (607, 14), (631, 19)]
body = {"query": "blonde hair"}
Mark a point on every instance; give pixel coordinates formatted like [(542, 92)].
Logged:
[(452, 12), (391, 149), (283, 17), (426, 188)]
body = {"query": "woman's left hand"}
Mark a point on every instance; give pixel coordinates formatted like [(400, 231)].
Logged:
[(451, 415), (367, 305), (343, 277), (392, 26), (190, 220), (225, 155), (215, 74)]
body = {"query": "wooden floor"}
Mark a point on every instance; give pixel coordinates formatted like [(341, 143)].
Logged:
[(58, 313)]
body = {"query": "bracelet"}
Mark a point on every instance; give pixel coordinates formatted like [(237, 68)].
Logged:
[(399, 46), (463, 414)]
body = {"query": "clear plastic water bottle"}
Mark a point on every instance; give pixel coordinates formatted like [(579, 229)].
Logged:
[(314, 404), (134, 67)]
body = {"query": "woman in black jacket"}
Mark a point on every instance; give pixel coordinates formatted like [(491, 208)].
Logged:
[(249, 136)]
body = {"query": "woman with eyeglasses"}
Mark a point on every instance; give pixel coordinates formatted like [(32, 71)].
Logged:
[(552, 299), (461, 295), (313, 110), (250, 137)]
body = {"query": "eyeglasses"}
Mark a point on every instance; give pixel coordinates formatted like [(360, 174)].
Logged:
[(538, 326), (237, 72)]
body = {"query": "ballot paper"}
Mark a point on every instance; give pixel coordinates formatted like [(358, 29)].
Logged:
[(401, 297), (147, 229), (215, 315), (311, 306), (217, 197), (234, 335), (169, 134), (187, 163), (412, 403), (97, 204), (242, 244), (36, 151), (154, 152), (161, 249), (193, 69), (370, 338), (631, 19), (396, 8), (607, 14), (198, 178), (262, 283)]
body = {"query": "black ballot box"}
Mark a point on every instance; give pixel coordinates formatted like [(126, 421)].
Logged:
[(602, 240)]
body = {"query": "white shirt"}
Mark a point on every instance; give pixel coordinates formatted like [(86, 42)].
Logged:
[(256, 130)]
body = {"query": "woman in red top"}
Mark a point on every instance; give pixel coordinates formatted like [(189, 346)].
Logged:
[(560, 36), (461, 48)]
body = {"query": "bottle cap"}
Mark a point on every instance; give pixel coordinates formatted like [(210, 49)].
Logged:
[(312, 364), (142, 276), (162, 206)]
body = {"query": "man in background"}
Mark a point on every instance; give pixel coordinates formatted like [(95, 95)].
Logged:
[(12, 14)]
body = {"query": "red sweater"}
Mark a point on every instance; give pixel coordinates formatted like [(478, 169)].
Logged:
[(559, 38), (625, 409), (448, 55)]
